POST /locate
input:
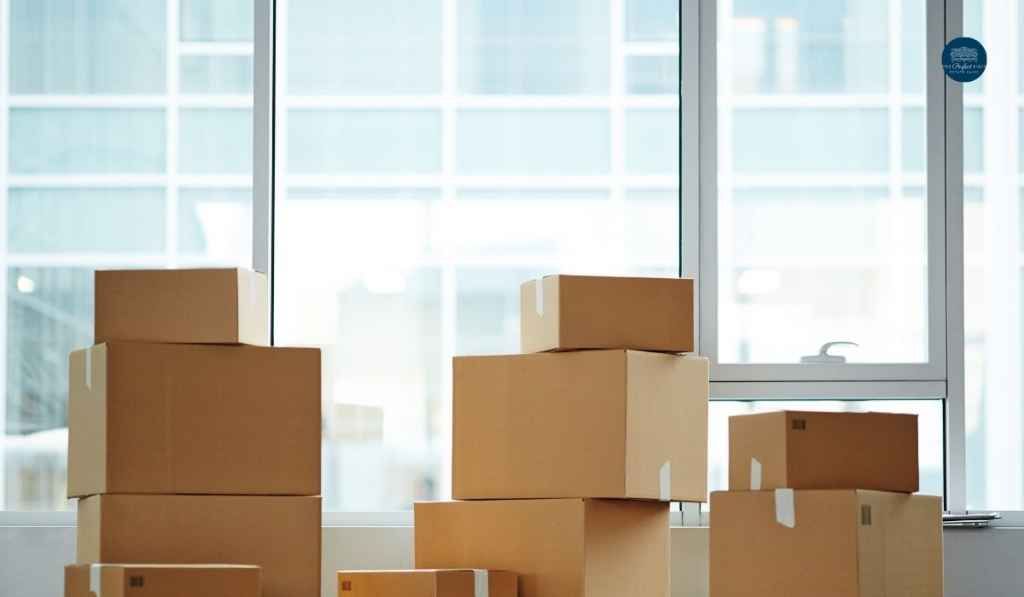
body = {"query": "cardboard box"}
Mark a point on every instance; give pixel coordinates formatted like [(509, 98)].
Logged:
[(192, 418), (279, 534), (427, 583), (559, 548), (818, 450), (840, 543), (161, 580), (201, 306), (596, 423), (576, 312)]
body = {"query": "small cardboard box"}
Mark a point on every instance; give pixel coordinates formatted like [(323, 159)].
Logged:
[(559, 548), (199, 306), (427, 583), (819, 450), (810, 543), (281, 534), (596, 423), (161, 580), (193, 418), (576, 312)]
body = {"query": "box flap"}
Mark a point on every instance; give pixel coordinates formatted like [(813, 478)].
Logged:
[(757, 452), (87, 421)]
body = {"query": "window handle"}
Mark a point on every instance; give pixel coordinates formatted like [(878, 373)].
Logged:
[(823, 357)]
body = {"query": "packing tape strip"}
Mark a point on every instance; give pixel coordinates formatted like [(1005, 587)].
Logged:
[(94, 580), (755, 474), (785, 511), (665, 482), (480, 583), (253, 289), (538, 296), (88, 368)]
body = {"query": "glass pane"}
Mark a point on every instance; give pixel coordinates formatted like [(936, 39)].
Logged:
[(216, 20), (94, 178), (652, 20), (994, 267), (532, 142), (364, 141), (807, 141), (652, 141), (812, 206), (534, 46), (383, 47), (646, 75), (87, 141), (49, 314), (215, 223), (215, 141), (85, 220), (808, 47), (216, 74), (651, 231), (406, 223), (80, 47), (929, 421)]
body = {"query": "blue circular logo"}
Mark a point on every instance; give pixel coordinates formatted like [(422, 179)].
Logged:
[(964, 59)]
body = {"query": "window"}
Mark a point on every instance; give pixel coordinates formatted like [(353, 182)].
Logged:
[(429, 158), (994, 261), (125, 141), (823, 209)]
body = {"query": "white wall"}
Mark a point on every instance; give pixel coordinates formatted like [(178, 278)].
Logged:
[(979, 563)]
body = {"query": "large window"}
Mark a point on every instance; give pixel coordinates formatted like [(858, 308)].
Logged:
[(429, 156), (125, 141), (432, 155)]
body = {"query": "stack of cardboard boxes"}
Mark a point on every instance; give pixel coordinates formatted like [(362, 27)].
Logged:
[(191, 440), (565, 458), (820, 504)]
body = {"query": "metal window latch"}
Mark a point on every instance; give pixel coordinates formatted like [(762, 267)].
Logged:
[(823, 357)]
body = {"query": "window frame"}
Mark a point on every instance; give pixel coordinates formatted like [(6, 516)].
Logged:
[(935, 368)]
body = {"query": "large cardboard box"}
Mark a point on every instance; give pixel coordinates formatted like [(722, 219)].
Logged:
[(559, 548), (208, 306), (192, 418), (161, 580), (576, 312), (840, 543), (596, 423), (819, 450), (427, 583), (281, 534)]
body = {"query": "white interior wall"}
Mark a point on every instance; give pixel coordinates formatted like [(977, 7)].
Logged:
[(979, 563)]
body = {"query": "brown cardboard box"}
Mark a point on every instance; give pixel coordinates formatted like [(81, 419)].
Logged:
[(161, 580), (202, 306), (192, 418), (595, 423), (818, 450), (279, 534), (811, 543), (559, 548), (575, 312), (427, 583)]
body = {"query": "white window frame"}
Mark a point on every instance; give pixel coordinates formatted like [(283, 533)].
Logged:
[(940, 378)]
